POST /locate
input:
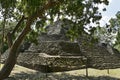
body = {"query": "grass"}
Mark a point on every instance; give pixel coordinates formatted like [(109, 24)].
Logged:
[(22, 73)]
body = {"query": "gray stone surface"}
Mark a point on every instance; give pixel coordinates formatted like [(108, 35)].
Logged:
[(56, 48), (47, 63), (60, 56), (100, 56), (54, 43), (59, 28)]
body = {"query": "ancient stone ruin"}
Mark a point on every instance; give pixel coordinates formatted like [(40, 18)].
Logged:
[(100, 55), (55, 52)]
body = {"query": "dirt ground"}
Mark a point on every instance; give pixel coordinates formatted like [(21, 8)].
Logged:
[(22, 73)]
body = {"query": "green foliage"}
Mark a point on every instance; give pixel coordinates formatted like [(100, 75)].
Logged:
[(32, 37), (78, 12), (110, 34), (116, 24), (105, 34)]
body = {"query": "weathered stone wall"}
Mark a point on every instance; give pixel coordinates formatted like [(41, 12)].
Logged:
[(55, 43), (104, 62), (60, 56), (56, 48), (47, 63), (99, 56), (60, 53)]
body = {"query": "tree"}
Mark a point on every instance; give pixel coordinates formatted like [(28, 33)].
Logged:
[(110, 34), (32, 15), (115, 27), (105, 34)]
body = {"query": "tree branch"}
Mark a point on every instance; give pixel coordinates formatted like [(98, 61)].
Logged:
[(50, 4), (11, 34), (18, 25)]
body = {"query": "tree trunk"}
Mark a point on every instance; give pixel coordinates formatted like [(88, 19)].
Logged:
[(11, 61)]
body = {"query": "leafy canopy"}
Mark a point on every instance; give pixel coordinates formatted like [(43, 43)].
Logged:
[(115, 28), (79, 12), (32, 15)]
